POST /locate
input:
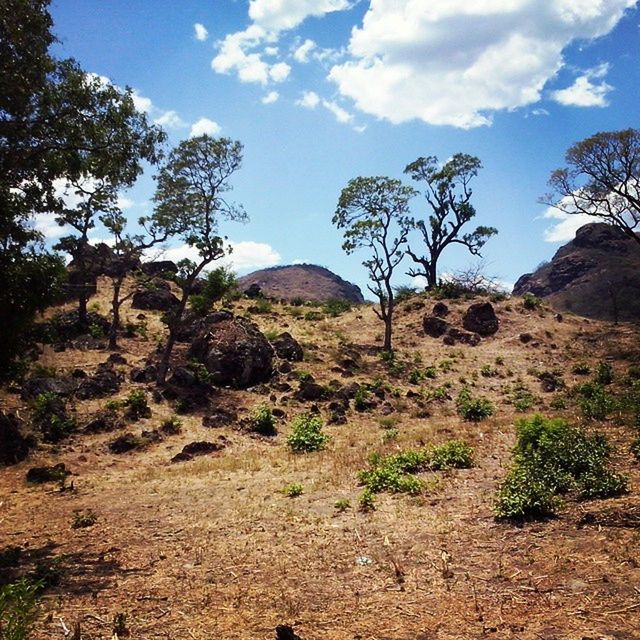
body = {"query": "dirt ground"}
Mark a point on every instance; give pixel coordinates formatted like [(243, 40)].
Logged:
[(213, 548)]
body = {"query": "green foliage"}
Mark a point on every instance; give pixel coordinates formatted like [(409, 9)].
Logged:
[(487, 371), (367, 501), (604, 373), (261, 306), (84, 519), (342, 505), (336, 307), (552, 457), (313, 316), (49, 415), (473, 409), (171, 426), (95, 331), (404, 292), (581, 369), (521, 398), (531, 302), (594, 401), (306, 434), (362, 399), (635, 448), (293, 490), (10, 556), (390, 434), (19, 609), (137, 405), (454, 454), (262, 421)]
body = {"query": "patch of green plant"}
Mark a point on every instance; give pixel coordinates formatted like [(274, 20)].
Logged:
[(604, 374), (262, 421), (499, 360), (271, 334), (49, 415), (293, 490), (551, 458), (306, 434), (84, 519), (446, 365), (200, 304), (261, 306), (594, 401), (487, 371), (362, 399), (335, 308), (171, 426), (19, 609), (367, 501), (634, 372), (454, 454), (302, 375), (558, 403), (473, 409), (96, 331), (37, 370), (404, 292), (342, 505), (581, 369), (313, 316), (521, 398), (137, 405), (390, 434), (635, 448), (530, 302)]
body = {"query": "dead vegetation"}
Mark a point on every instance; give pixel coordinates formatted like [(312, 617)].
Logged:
[(214, 547)]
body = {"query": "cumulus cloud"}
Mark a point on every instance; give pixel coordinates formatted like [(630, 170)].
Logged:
[(46, 224), (341, 114), (170, 120), (309, 100), (204, 126), (585, 93), (455, 62), (301, 53), (234, 55), (281, 15), (279, 71), (244, 255), (200, 32), (566, 225), (271, 97)]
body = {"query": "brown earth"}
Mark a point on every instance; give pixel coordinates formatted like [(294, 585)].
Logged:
[(303, 281), (212, 548), (596, 275)]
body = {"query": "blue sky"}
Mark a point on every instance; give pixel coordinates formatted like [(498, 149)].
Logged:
[(322, 91)]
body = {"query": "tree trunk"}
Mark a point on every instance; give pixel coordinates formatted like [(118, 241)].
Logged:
[(432, 275), (83, 320), (115, 309)]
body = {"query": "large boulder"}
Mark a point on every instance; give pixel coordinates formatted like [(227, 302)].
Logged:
[(159, 267), (481, 318), (234, 351), (287, 347), (455, 336), (14, 445), (156, 299), (105, 382), (33, 387), (434, 327)]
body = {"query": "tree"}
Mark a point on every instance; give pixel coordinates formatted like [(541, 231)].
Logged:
[(190, 194), (448, 194), (602, 179), (374, 214), (218, 283)]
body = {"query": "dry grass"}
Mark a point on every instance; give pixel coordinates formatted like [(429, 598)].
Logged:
[(212, 548)]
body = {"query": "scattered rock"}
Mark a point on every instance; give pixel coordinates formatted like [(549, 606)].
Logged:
[(144, 374), (235, 353), (455, 335), (33, 387), (481, 318), (310, 390), (525, 338), (219, 417), (199, 448), (40, 475), (103, 423), (159, 267), (440, 310), (116, 358), (154, 299), (67, 326), (253, 291), (285, 632), (126, 442), (104, 382), (14, 445), (287, 347), (434, 327)]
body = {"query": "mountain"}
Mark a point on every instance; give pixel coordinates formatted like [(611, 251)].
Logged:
[(306, 281), (596, 275)]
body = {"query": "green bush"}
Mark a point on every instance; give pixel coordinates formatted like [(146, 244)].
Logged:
[(262, 421), (473, 409), (137, 405), (635, 448), (594, 401), (454, 454), (83, 519), (342, 504), (581, 369), (362, 399), (551, 458), (335, 308), (604, 373), (367, 501), (404, 292), (293, 490), (529, 301), (19, 609), (306, 434), (49, 415)]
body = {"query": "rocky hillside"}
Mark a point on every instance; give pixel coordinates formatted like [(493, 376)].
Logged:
[(596, 275), (306, 281)]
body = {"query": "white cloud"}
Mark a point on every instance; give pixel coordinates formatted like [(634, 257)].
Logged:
[(204, 126), (279, 71), (233, 56), (301, 54), (141, 103), (583, 92), (124, 203), (566, 226), (170, 120), (309, 100), (455, 62), (540, 112), (281, 15), (271, 97), (341, 114), (200, 32), (271, 51), (245, 255), (46, 224)]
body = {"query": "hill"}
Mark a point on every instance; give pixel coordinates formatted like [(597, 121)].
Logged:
[(303, 281), (596, 275), (186, 520)]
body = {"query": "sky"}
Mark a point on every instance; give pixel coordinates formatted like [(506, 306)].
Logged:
[(322, 91)]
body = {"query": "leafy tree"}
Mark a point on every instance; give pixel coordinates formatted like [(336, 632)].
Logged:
[(374, 214), (218, 283), (602, 179), (190, 194), (448, 194)]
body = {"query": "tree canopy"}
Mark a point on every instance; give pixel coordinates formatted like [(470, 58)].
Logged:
[(601, 179)]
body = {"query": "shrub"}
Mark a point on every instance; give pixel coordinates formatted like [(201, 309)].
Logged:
[(454, 454), (342, 504), (367, 501), (581, 369), (335, 308), (487, 371), (19, 609), (306, 434), (552, 457), (96, 331), (529, 301), (473, 409), (604, 373), (293, 490), (49, 415), (200, 304), (313, 316), (262, 421), (404, 292), (635, 448), (171, 426), (594, 401), (261, 306), (137, 405), (362, 399), (522, 399), (83, 519)]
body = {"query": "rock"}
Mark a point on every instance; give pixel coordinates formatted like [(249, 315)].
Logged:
[(200, 448), (159, 267), (440, 310), (56, 473), (434, 327), (309, 390), (455, 335), (145, 374), (104, 382), (287, 347), (285, 632), (219, 417), (253, 291), (525, 338), (126, 442), (481, 318), (192, 325), (235, 353), (33, 387), (67, 326), (116, 358), (154, 299), (14, 445), (103, 423)]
